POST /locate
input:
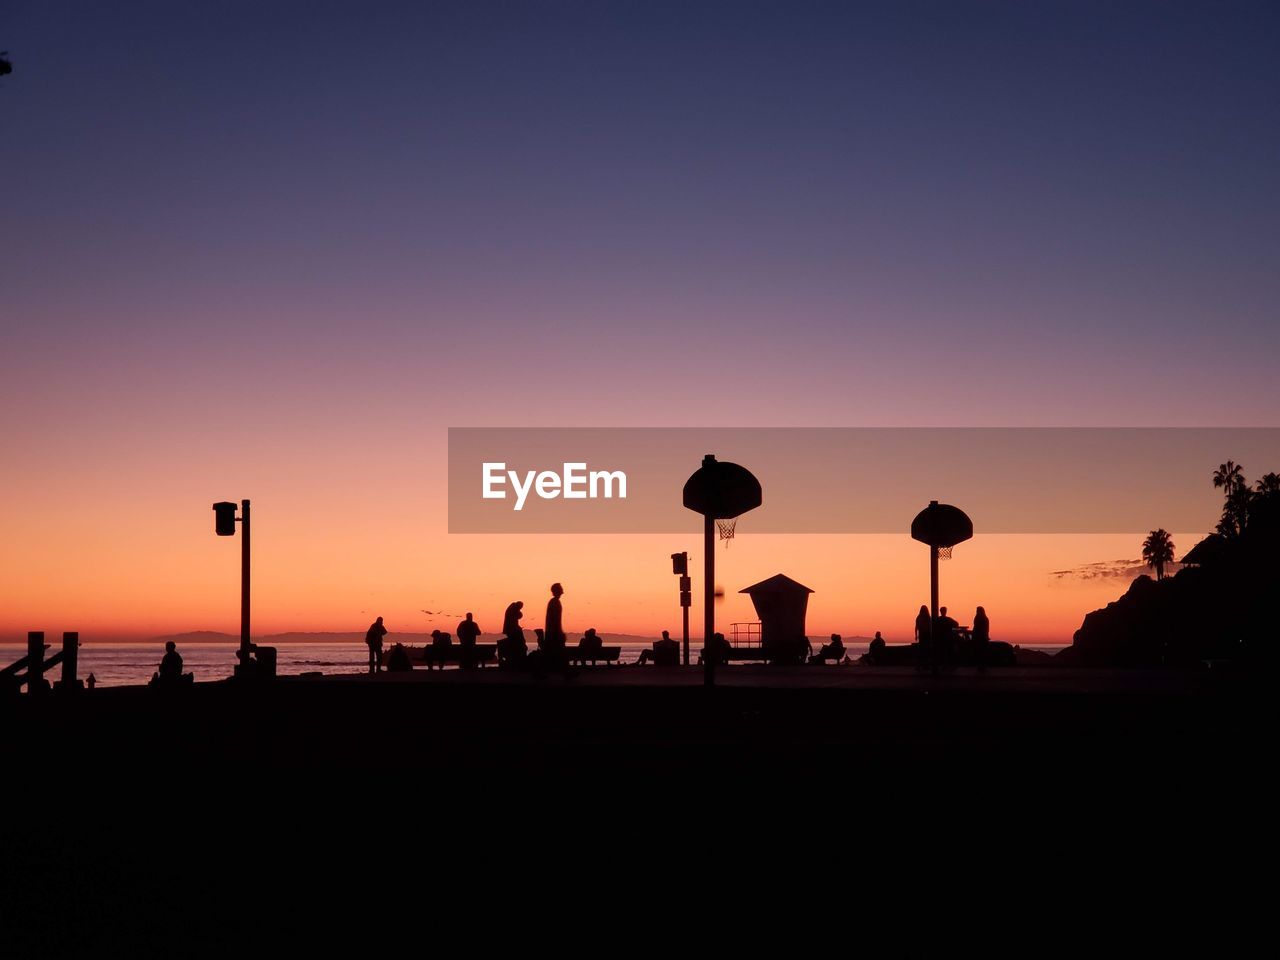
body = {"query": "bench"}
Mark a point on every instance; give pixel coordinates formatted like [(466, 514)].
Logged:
[(822, 658), (583, 657), (744, 654), (481, 654)]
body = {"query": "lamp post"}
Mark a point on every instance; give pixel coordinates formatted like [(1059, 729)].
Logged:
[(680, 567), (225, 521)]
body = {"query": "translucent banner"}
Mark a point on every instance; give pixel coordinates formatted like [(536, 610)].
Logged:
[(851, 480)]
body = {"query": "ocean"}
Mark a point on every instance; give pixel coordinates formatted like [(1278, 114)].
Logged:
[(121, 664)]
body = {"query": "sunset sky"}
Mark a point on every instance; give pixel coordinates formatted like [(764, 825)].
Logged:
[(276, 250)]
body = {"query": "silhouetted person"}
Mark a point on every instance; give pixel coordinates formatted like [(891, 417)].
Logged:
[(91, 682), (875, 652), (171, 662), (373, 637), (717, 651), (945, 635), (512, 648), (441, 640), (665, 652), (554, 624), (981, 637), (924, 635), (552, 644), (398, 659), (468, 630), (833, 651), (170, 673), (590, 645)]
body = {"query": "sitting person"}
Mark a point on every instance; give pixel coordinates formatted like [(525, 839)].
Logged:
[(980, 639), (665, 653), (590, 645), (833, 651), (946, 638), (512, 648), (875, 652), (170, 672), (398, 659), (440, 639), (171, 662), (718, 650)]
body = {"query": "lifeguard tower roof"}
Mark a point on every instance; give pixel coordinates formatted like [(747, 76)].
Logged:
[(778, 583)]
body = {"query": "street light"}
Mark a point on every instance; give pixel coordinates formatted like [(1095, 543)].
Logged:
[(225, 521), (680, 567)]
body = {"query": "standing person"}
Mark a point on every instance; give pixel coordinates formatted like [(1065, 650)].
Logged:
[(373, 638), (468, 630), (924, 634), (554, 625), (554, 652), (981, 637)]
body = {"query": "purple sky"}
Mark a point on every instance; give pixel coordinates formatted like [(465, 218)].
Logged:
[(892, 213), (275, 250)]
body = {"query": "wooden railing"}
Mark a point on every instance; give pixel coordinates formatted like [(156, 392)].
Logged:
[(36, 665)]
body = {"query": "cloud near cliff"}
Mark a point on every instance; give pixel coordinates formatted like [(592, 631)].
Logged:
[(1109, 570)]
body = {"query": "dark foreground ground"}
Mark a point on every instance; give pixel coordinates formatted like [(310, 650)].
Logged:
[(159, 824)]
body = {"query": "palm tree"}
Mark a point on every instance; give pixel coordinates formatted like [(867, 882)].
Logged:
[(1229, 476), (1269, 484), (1235, 513), (1157, 550)]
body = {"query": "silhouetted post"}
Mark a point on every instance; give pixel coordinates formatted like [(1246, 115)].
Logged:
[(35, 661), (680, 567), (719, 491), (933, 590), (244, 584), (684, 608), (70, 655), (941, 526), (225, 526), (709, 600)]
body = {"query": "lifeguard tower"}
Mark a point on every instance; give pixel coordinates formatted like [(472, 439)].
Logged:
[(781, 604)]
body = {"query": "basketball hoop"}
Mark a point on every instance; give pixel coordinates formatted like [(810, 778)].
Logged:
[(726, 528), (944, 553)]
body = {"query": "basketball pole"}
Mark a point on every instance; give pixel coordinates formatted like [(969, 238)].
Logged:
[(933, 595), (709, 600)]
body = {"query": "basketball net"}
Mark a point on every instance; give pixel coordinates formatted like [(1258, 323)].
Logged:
[(944, 553), (726, 528)]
